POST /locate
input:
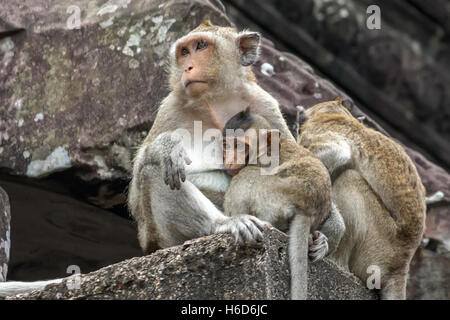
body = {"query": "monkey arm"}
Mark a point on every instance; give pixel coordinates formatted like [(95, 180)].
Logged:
[(277, 121), (186, 213), (333, 228), (170, 217), (265, 105), (334, 153)]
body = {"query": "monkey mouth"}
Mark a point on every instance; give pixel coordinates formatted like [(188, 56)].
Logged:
[(193, 81)]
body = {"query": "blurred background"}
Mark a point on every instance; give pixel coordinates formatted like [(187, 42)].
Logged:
[(81, 80)]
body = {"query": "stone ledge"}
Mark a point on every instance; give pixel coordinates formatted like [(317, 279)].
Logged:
[(209, 268)]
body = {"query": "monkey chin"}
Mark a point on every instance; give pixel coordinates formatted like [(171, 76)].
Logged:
[(196, 89)]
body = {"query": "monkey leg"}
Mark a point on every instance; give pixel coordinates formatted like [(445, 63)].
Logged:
[(370, 239)]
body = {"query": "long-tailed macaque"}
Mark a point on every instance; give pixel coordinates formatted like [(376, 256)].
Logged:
[(296, 190), (179, 181), (377, 190)]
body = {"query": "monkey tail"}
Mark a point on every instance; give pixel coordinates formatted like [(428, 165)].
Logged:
[(12, 288), (298, 256)]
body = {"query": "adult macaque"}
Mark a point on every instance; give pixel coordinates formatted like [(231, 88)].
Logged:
[(177, 188), (377, 190)]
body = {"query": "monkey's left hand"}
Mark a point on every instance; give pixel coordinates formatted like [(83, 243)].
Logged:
[(318, 246)]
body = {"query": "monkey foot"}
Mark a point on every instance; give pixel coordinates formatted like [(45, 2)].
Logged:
[(318, 246)]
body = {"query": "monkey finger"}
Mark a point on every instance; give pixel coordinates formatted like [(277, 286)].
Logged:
[(170, 174), (317, 255), (230, 227), (260, 224), (166, 170), (245, 233), (256, 234), (315, 246), (181, 169), (318, 248), (239, 230), (182, 173), (235, 233), (176, 177)]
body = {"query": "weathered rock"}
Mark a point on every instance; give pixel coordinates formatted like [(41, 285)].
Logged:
[(51, 231), (5, 234), (85, 97), (209, 268), (429, 275)]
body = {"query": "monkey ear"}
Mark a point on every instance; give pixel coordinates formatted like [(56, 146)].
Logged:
[(248, 44), (206, 23)]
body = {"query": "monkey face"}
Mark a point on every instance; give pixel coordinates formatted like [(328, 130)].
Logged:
[(194, 55), (235, 154), (207, 60)]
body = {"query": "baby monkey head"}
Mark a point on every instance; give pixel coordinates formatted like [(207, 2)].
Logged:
[(212, 58), (247, 139)]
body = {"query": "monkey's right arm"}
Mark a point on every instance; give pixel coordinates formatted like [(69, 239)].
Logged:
[(184, 212), (332, 150)]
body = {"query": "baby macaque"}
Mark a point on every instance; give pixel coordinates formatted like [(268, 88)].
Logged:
[(279, 182)]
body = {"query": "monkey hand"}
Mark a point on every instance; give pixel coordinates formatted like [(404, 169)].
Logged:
[(318, 246), (173, 158), (244, 228)]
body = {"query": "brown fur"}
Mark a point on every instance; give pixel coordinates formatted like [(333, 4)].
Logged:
[(299, 190), (378, 192), (301, 184)]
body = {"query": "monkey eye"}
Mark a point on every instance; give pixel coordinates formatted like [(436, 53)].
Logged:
[(184, 51), (240, 145), (202, 44)]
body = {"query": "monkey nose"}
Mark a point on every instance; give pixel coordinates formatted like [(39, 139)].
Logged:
[(189, 68)]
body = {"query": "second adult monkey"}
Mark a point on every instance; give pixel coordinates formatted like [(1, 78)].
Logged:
[(177, 190), (377, 190)]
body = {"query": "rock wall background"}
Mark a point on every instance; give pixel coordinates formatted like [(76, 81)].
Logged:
[(75, 104), (5, 234)]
